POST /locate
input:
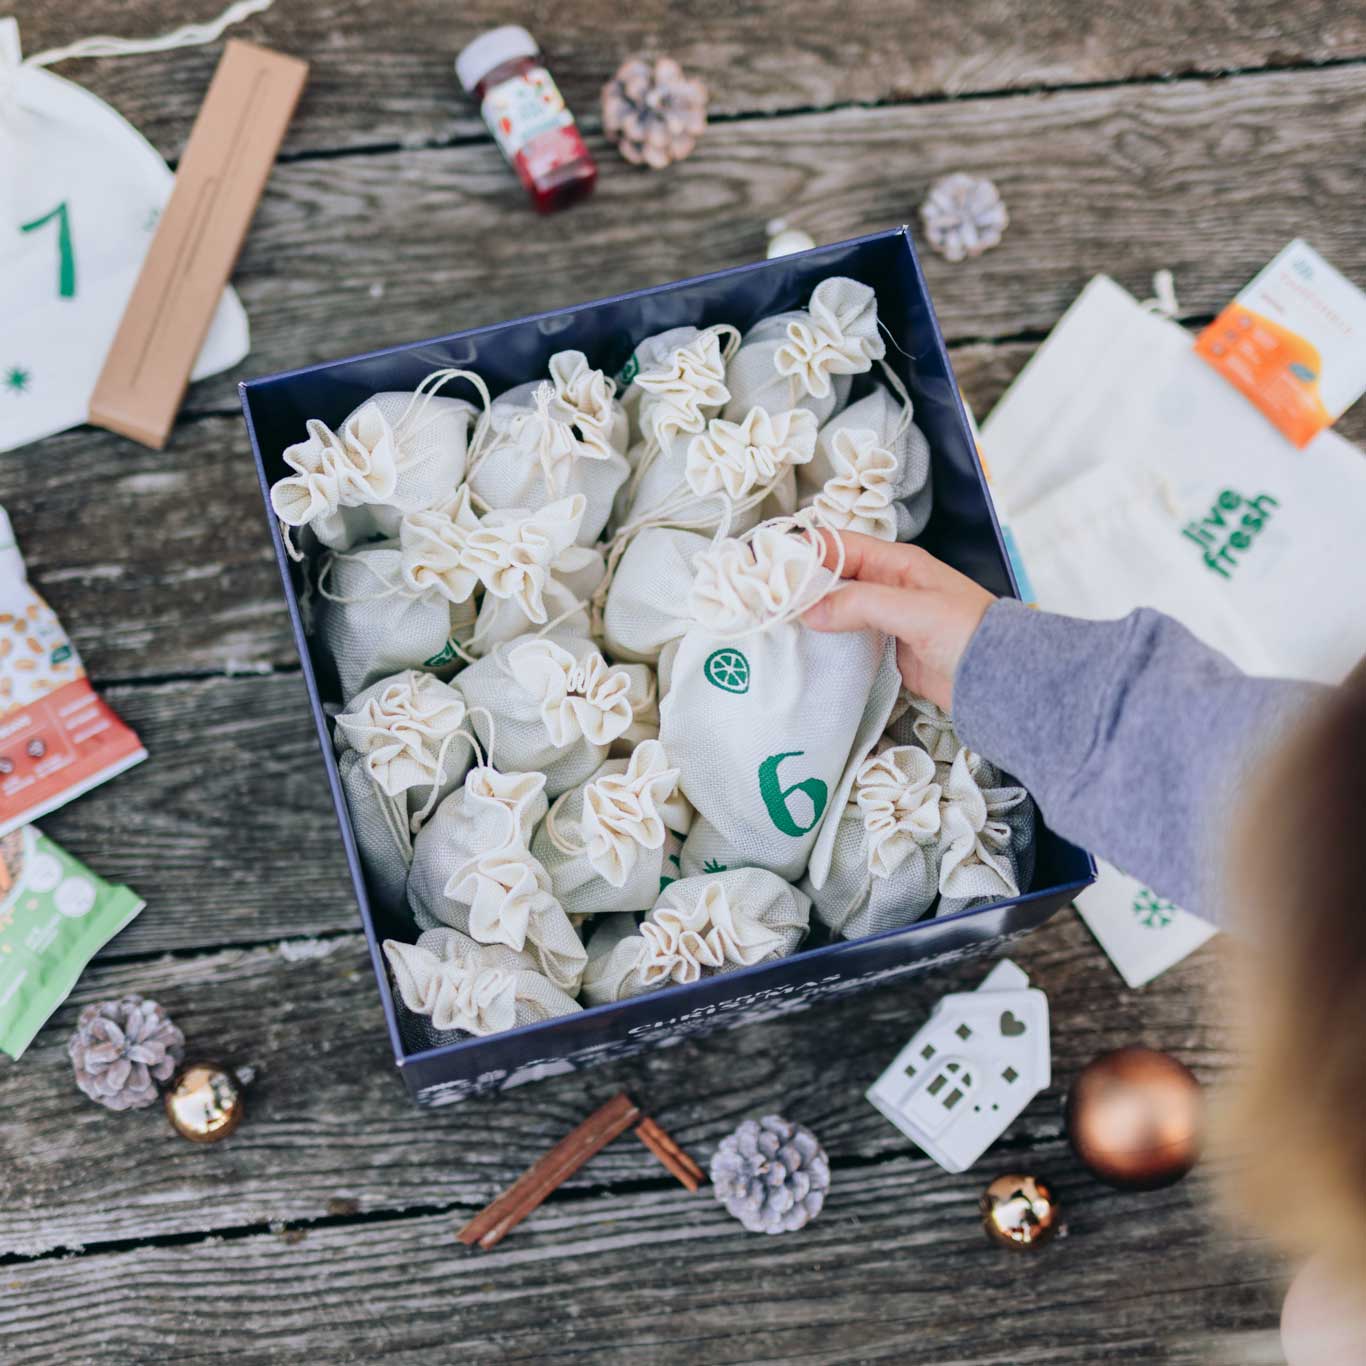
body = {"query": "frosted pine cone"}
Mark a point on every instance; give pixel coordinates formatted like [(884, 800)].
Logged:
[(963, 215), (653, 112), (771, 1174), (121, 1049)]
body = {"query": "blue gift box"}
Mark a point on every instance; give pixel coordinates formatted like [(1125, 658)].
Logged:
[(963, 531)]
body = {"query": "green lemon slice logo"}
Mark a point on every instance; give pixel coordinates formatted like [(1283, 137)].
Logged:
[(728, 670)]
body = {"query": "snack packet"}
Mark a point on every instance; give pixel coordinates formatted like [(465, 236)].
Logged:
[(57, 737), (55, 914)]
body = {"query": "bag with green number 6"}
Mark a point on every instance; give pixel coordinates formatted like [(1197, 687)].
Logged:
[(765, 718)]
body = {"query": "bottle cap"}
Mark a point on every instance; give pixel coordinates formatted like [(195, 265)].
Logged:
[(492, 49)]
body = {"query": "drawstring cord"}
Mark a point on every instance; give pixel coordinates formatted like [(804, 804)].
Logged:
[(191, 35)]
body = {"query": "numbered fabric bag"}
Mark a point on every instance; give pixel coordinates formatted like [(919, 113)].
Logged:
[(884, 863), (607, 843), (398, 452), (871, 470), (81, 192), (551, 705), (402, 747), (765, 718), (449, 983), (676, 381), (986, 836), (550, 439), (699, 927), (647, 603), (372, 621), (806, 358), (473, 871)]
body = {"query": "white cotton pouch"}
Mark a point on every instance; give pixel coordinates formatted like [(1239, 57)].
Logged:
[(765, 718), (401, 749), (607, 843), (698, 927), (473, 871), (550, 705), (647, 603)]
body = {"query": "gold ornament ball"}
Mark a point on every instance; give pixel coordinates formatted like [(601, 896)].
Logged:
[(204, 1102), (1135, 1117), (1019, 1211)]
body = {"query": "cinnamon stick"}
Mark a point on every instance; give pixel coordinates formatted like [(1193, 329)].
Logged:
[(493, 1223), (671, 1157)]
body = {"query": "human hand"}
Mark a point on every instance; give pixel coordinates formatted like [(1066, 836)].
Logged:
[(932, 610)]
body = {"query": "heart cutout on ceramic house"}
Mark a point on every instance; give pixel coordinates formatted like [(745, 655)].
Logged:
[(1010, 1026)]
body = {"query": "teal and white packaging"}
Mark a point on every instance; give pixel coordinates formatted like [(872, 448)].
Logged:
[(1133, 475), (81, 191)]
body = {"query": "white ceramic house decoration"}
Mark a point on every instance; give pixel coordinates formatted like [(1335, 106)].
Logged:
[(980, 1058)]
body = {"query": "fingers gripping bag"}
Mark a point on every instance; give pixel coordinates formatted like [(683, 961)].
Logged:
[(554, 703), (448, 982), (473, 871), (376, 616), (765, 718), (806, 358), (549, 439), (647, 601), (606, 844), (871, 470), (398, 452), (699, 927), (402, 747), (884, 864)]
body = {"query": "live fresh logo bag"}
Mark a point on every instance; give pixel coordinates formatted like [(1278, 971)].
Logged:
[(764, 717)]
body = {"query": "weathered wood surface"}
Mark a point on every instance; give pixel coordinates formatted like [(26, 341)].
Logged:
[(382, 76)]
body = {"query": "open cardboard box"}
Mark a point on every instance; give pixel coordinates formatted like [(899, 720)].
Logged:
[(963, 531)]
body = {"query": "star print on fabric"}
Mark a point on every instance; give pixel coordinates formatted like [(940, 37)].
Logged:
[(17, 380)]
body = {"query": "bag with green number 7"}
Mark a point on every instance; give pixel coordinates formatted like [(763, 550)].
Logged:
[(766, 719)]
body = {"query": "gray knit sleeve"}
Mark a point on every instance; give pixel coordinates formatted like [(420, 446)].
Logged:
[(1134, 738)]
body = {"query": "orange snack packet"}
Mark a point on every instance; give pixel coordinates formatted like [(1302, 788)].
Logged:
[(57, 737)]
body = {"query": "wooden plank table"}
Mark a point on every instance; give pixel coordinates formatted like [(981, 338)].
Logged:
[(1124, 139)]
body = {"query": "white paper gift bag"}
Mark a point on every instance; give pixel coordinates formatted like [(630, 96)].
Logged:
[(451, 983), (699, 927), (552, 438), (806, 358), (764, 717), (81, 191), (398, 452), (607, 843), (548, 704), (871, 470), (473, 871), (402, 747)]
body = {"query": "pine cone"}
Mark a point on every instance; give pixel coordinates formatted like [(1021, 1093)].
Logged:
[(771, 1174), (121, 1049), (653, 111), (963, 215)]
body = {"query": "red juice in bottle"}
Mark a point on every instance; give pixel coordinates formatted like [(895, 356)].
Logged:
[(527, 116)]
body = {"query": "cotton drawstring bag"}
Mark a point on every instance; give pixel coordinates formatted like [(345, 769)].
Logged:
[(871, 470), (884, 864), (606, 843), (556, 703), (451, 984), (473, 871), (678, 381), (647, 601), (398, 452), (553, 438), (916, 720), (764, 717), (373, 620), (699, 927), (806, 358), (643, 695), (402, 748), (986, 836)]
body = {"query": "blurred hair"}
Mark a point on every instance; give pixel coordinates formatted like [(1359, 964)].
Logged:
[(1297, 1114)]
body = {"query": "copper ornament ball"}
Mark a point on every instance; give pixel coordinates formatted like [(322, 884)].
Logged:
[(1018, 1211), (1135, 1117), (204, 1102)]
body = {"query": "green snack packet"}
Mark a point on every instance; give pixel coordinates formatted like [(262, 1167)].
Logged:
[(55, 914)]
